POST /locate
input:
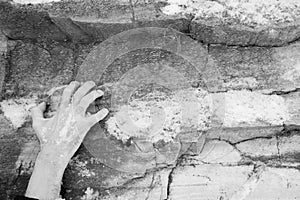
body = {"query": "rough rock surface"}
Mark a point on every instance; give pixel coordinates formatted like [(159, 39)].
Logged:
[(251, 147), (244, 23), (38, 67), (257, 68), (3, 61), (240, 22)]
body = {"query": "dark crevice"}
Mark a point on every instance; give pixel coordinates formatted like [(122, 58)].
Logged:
[(250, 139), (284, 92), (170, 179), (180, 159), (278, 148), (271, 163), (252, 45), (151, 187), (289, 131)]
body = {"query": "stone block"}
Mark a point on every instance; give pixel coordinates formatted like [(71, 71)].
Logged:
[(38, 67), (18, 22), (257, 68)]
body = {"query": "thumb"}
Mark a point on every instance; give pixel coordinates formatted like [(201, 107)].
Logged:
[(37, 112), (95, 118)]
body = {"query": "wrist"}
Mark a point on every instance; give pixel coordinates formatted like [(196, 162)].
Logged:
[(45, 181)]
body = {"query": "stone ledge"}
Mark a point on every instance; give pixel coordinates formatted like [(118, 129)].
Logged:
[(101, 17)]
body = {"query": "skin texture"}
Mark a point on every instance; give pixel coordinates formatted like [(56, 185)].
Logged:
[(60, 137)]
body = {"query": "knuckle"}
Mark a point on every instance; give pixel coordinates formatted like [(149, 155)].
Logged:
[(75, 83), (79, 109)]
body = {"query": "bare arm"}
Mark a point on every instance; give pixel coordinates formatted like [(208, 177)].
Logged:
[(60, 137)]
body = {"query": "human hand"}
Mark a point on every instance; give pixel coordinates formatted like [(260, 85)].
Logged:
[(61, 135)]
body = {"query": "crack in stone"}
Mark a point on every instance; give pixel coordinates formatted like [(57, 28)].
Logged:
[(280, 92), (151, 187), (254, 138), (132, 5), (170, 177), (251, 182), (278, 148), (289, 131), (170, 180)]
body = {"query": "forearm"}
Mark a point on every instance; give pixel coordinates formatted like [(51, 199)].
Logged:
[(45, 181)]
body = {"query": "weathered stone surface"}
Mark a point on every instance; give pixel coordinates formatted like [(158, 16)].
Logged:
[(228, 166), (18, 152), (139, 58), (245, 108), (260, 147), (234, 182), (208, 181), (72, 21), (293, 101), (98, 62), (238, 134), (257, 68), (39, 67), (86, 171), (101, 31), (72, 31), (213, 22), (267, 23), (276, 184), (213, 32), (288, 148), (23, 23), (5, 126), (215, 152), (3, 61), (152, 186)]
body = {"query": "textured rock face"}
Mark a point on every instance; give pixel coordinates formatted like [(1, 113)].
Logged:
[(240, 22), (3, 61), (247, 143), (39, 67)]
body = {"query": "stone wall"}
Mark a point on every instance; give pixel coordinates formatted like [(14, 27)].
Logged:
[(252, 146)]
